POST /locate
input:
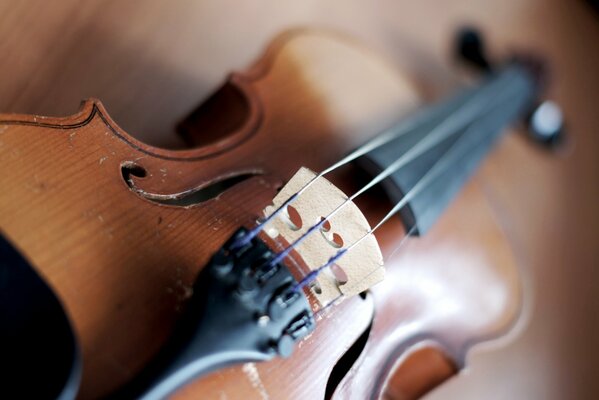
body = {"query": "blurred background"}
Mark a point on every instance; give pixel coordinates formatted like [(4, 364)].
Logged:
[(151, 62)]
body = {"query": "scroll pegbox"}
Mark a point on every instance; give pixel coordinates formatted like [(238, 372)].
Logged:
[(358, 269)]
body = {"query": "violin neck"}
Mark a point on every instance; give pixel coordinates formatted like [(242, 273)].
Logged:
[(442, 150)]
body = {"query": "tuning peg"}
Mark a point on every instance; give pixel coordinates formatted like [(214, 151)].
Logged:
[(545, 123), (470, 48)]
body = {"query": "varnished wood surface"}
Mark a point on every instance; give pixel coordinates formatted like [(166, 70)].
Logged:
[(123, 263), (141, 57)]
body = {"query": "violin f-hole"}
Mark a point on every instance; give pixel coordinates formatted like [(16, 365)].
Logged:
[(187, 198)]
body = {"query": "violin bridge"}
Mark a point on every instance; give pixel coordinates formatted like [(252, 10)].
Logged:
[(358, 269)]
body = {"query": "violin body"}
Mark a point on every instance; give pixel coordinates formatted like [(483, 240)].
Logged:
[(121, 229)]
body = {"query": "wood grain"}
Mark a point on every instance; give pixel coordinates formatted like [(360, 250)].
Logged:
[(151, 62), (123, 263)]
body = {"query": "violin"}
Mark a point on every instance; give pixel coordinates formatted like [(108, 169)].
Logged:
[(325, 234)]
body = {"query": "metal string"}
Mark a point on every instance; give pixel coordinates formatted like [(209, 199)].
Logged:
[(446, 128), (342, 295), (433, 173), (401, 243), (407, 126)]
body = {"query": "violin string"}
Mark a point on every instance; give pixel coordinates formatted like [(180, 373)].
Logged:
[(379, 140), (446, 128), (331, 303), (434, 172), (401, 243), (342, 295)]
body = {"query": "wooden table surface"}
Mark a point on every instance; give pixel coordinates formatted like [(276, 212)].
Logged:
[(151, 62)]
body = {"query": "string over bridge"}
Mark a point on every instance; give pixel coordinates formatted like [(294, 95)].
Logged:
[(359, 269)]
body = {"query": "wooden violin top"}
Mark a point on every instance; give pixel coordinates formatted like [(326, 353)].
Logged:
[(66, 210), (123, 262)]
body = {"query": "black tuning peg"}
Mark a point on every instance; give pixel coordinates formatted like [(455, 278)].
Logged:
[(470, 48), (545, 123)]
